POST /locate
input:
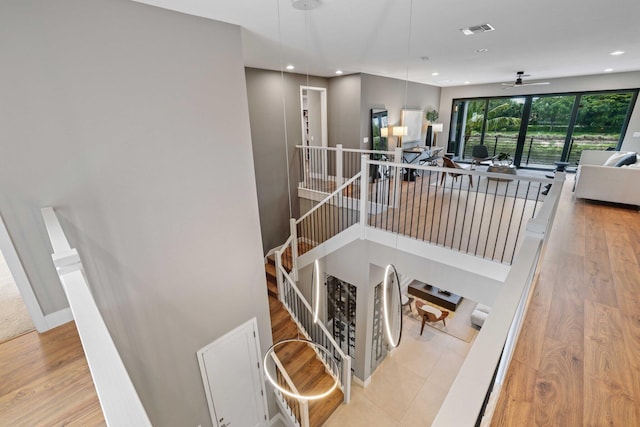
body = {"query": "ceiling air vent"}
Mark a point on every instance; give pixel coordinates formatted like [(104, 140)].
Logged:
[(483, 28)]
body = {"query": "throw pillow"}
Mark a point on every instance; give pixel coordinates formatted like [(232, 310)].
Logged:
[(629, 159), (613, 159)]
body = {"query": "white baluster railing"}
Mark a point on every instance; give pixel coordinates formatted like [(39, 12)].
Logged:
[(297, 410), (120, 403)]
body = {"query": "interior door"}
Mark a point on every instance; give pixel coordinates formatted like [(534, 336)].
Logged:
[(233, 381)]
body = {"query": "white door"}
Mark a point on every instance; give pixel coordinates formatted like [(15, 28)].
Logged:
[(233, 381)]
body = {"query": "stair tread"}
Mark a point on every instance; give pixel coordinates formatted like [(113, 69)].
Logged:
[(320, 410), (310, 374), (296, 361), (270, 269), (299, 359)]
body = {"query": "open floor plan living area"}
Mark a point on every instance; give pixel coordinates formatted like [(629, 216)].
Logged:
[(304, 213)]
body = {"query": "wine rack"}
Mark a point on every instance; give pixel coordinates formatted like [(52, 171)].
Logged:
[(341, 313)]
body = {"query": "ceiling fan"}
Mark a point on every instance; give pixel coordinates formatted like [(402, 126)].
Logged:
[(519, 82)]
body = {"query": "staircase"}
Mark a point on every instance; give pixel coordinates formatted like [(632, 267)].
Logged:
[(300, 361)]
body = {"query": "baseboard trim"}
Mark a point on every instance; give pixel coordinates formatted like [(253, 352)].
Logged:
[(278, 418), (58, 318), (361, 383)]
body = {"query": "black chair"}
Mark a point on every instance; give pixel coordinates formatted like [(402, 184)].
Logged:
[(479, 154)]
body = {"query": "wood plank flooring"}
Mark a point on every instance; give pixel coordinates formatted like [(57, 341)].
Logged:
[(45, 381), (577, 361)]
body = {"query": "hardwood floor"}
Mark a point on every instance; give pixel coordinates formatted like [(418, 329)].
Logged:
[(45, 381), (577, 361)]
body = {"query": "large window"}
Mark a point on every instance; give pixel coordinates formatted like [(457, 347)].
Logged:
[(538, 130)]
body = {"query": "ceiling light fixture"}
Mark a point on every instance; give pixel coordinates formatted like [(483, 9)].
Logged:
[(608, 70), (483, 50), (617, 52), (385, 305), (315, 283), (435, 73), (339, 72), (290, 67), (482, 28), (467, 83), (327, 357), (425, 58)]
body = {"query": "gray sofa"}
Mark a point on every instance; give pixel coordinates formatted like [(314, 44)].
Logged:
[(607, 183)]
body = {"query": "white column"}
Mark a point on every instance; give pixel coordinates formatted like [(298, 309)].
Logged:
[(294, 249), (397, 176), (339, 163), (364, 190)]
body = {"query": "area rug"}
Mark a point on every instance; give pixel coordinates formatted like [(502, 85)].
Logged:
[(458, 322), (483, 185), (14, 318)]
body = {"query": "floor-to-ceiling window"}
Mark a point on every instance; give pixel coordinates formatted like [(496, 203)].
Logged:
[(538, 130)]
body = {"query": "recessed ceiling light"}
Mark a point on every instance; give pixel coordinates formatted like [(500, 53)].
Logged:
[(483, 50), (338, 72), (467, 83), (435, 74), (305, 4), (290, 67), (617, 52), (608, 70)]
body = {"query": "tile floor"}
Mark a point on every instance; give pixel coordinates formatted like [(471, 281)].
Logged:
[(409, 386)]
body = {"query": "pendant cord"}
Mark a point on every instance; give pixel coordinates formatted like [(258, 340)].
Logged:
[(406, 79), (284, 111), (306, 46)]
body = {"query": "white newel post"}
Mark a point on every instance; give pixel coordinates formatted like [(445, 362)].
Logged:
[(339, 163), (278, 256), (304, 413), (294, 249), (306, 167), (346, 379), (398, 177), (364, 187)]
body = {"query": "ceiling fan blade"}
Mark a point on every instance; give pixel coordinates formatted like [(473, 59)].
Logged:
[(534, 84)]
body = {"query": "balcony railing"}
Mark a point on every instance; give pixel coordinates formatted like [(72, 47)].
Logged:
[(324, 169), (501, 217), (477, 213), (538, 152), (120, 403)]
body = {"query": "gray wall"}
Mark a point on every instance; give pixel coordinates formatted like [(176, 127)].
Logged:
[(132, 121), (343, 100), (572, 84), (394, 95), (265, 94)]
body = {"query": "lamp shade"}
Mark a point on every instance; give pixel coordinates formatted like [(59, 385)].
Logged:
[(399, 130), (437, 127)]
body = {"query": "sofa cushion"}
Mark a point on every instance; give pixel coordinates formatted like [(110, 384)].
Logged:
[(613, 159), (629, 159)]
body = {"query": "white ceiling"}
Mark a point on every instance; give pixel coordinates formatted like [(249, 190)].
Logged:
[(544, 38)]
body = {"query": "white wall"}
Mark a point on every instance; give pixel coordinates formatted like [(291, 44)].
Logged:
[(132, 121), (598, 82)]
